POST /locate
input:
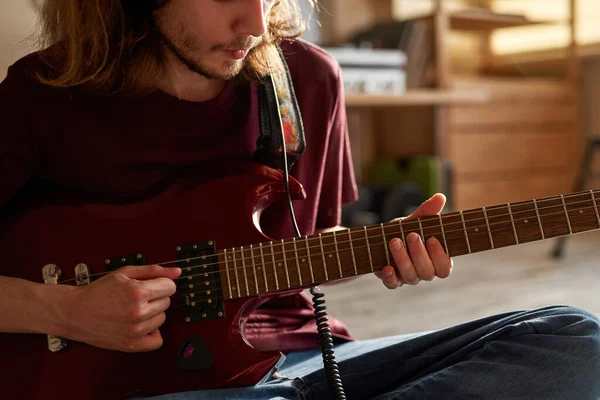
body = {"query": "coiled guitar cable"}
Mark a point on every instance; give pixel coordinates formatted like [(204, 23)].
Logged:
[(334, 378)]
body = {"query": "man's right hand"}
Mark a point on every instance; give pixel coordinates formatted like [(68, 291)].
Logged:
[(122, 310)]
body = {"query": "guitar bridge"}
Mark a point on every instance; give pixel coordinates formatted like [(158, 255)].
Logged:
[(201, 281)]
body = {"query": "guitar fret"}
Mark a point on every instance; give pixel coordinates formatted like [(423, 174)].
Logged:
[(244, 267), (402, 231), (462, 217), (274, 268), (312, 274), (595, 208), (297, 261), (524, 215), (512, 221), (443, 232), (227, 271), (287, 273), (323, 257), (237, 279), (385, 246), (566, 214), (520, 230), (487, 223), (337, 255), (352, 252), (369, 248), (537, 212), (254, 269), (264, 268)]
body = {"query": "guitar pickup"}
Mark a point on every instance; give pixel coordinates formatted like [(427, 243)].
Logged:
[(114, 263), (201, 281)]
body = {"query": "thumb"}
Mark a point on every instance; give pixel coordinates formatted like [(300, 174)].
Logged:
[(431, 207), (150, 272)]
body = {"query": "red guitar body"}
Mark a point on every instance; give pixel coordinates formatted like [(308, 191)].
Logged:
[(65, 233)]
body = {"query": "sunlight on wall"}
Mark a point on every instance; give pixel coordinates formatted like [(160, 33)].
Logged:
[(406, 9), (530, 38), (546, 37), (17, 20)]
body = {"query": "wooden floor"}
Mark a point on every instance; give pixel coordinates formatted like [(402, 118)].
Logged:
[(501, 280)]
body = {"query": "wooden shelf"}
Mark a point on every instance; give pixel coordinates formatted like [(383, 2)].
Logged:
[(484, 20), (418, 97), (549, 62)]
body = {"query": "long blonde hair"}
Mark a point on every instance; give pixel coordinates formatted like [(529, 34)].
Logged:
[(113, 45)]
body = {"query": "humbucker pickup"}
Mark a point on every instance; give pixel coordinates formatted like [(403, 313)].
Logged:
[(200, 281)]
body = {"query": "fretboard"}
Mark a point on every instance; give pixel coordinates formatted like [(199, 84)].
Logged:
[(269, 267)]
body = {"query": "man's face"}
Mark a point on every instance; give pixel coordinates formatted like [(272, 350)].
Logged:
[(213, 37)]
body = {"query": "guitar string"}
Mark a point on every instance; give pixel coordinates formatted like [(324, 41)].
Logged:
[(241, 296), (405, 226), (200, 293), (465, 213), (269, 263)]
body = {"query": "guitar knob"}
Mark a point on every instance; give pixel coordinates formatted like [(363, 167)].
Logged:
[(56, 344), (51, 272)]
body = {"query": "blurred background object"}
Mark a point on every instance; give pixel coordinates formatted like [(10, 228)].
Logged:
[(505, 135), (371, 71), (500, 100)]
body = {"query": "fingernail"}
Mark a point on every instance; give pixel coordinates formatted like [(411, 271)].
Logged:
[(413, 238), (396, 244), (433, 240), (388, 273)]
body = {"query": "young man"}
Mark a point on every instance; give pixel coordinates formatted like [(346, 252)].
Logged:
[(130, 94)]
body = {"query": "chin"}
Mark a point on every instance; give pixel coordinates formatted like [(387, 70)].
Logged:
[(228, 70)]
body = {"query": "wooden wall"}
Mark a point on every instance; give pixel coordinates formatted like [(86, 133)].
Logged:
[(524, 144), (591, 108), (389, 133), (340, 20)]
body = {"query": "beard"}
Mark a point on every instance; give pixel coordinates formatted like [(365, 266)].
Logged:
[(184, 48)]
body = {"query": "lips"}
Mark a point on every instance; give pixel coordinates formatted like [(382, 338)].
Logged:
[(237, 54)]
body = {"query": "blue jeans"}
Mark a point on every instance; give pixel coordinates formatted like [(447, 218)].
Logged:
[(550, 353)]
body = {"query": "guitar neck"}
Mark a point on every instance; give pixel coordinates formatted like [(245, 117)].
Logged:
[(299, 262)]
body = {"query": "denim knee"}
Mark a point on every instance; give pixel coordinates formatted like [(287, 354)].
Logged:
[(573, 321)]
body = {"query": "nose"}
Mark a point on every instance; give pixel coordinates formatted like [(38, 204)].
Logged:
[(253, 17)]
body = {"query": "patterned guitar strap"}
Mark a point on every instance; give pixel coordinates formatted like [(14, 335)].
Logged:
[(277, 97)]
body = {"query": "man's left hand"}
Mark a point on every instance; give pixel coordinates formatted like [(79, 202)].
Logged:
[(426, 261)]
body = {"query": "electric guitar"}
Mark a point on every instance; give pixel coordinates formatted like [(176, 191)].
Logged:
[(211, 231)]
